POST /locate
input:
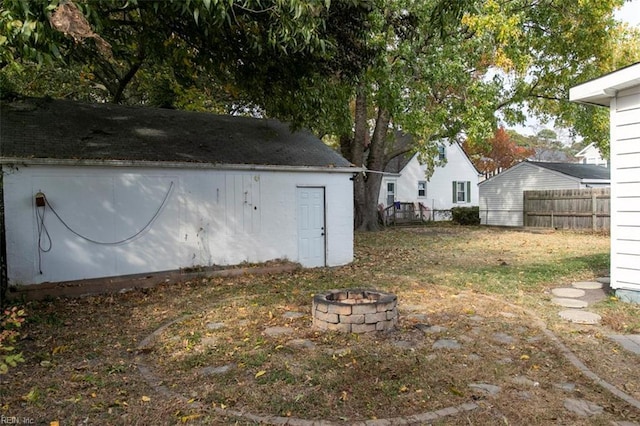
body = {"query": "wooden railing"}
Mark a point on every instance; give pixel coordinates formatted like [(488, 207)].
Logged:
[(400, 213)]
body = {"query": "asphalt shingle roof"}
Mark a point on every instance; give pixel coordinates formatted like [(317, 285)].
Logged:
[(577, 170), (68, 130)]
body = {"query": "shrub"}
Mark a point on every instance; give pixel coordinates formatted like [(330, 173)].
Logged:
[(466, 215), (10, 320)]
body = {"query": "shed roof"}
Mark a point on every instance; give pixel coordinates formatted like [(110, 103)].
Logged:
[(587, 173), (577, 170), (34, 129)]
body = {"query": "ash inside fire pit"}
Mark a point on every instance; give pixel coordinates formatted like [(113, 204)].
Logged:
[(355, 310)]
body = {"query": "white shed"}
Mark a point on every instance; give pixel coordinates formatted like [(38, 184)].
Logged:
[(502, 196), (100, 190), (620, 91)]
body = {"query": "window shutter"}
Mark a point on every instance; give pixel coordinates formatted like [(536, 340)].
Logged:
[(468, 199), (455, 195)]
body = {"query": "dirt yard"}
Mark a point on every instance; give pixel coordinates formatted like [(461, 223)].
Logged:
[(474, 344)]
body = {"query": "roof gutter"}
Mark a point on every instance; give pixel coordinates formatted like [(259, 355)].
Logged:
[(176, 165), (596, 181)]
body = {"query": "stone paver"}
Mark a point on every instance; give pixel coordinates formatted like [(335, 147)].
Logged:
[(568, 292), (210, 371), (301, 344), (418, 317), (587, 285), (215, 325), (209, 341), (431, 329), (524, 381), (569, 303), (580, 317), (567, 387), (405, 344), (503, 338), (446, 344), (486, 388), (292, 315), (582, 407), (604, 280), (277, 331), (630, 342)]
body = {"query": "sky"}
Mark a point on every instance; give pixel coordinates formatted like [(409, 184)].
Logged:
[(629, 13)]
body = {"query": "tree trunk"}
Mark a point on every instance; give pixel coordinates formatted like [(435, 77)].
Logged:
[(366, 186), (358, 146), (375, 166)]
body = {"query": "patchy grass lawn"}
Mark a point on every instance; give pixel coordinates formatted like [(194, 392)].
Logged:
[(477, 286)]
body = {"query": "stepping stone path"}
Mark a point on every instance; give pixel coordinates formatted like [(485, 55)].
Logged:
[(587, 285), (567, 302), (577, 297), (568, 292)]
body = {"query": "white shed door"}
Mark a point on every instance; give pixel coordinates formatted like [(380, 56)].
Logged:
[(311, 232)]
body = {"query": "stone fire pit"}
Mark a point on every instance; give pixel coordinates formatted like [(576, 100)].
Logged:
[(355, 310)]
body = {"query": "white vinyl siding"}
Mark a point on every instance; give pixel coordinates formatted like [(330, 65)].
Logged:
[(438, 185), (501, 197), (625, 190)]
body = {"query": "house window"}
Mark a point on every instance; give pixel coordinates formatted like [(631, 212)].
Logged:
[(391, 193), (422, 188), (461, 192), (441, 153)]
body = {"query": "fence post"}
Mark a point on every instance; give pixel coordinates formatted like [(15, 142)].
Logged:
[(594, 208), (525, 206)]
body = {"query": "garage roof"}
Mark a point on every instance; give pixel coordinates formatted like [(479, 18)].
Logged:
[(69, 131)]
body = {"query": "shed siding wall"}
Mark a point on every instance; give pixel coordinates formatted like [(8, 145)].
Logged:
[(209, 218), (501, 197), (625, 190)]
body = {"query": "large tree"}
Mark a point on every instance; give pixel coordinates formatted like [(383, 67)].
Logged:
[(442, 70), (116, 48), (359, 70)]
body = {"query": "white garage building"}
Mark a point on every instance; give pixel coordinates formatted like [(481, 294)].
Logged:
[(100, 190)]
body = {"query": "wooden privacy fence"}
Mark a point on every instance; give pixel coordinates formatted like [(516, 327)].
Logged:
[(587, 208)]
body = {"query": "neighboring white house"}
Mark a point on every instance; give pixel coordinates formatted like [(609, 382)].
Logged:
[(501, 196), (591, 155), (620, 91), (100, 190), (453, 184)]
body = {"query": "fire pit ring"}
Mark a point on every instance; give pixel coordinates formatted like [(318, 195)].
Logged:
[(355, 310)]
